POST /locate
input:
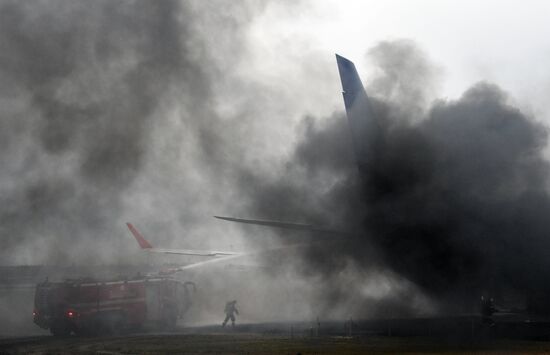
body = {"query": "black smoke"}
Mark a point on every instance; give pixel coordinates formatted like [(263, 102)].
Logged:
[(454, 200)]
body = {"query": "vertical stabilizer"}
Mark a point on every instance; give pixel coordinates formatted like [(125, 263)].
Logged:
[(363, 124), (143, 243)]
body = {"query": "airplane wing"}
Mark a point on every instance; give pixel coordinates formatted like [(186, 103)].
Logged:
[(286, 225), (253, 253), (207, 262), (146, 246), (219, 256)]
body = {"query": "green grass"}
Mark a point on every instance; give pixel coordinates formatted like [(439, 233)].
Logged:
[(239, 343)]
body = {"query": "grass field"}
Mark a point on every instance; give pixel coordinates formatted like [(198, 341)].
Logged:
[(239, 343)]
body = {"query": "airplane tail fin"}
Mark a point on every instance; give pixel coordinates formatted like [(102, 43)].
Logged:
[(362, 121), (351, 83), (143, 244)]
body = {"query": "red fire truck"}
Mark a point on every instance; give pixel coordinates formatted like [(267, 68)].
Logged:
[(86, 306)]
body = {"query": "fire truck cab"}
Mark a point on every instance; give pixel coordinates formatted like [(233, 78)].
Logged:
[(85, 306)]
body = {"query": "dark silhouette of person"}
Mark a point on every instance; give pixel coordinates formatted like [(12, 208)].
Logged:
[(487, 310), (230, 311)]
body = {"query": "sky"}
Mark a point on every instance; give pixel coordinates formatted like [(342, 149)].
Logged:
[(503, 42)]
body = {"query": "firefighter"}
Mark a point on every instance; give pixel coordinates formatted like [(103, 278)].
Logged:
[(487, 310), (230, 311)]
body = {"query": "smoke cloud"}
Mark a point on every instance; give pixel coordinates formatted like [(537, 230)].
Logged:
[(99, 101), (148, 112), (454, 200)]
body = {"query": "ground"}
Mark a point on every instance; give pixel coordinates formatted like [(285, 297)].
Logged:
[(245, 343)]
